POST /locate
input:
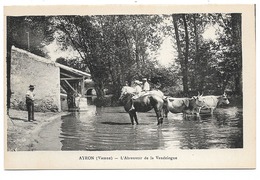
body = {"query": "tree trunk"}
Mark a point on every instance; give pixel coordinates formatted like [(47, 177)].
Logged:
[(186, 56), (236, 39), (196, 59), (180, 57), (99, 82), (137, 59), (99, 87), (9, 44), (8, 75)]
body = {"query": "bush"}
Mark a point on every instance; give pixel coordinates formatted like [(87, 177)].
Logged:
[(173, 92), (102, 102)]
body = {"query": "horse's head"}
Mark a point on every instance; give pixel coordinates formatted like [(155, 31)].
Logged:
[(126, 91), (122, 95)]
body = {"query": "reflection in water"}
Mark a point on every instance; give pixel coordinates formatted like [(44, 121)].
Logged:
[(221, 130), (110, 129)]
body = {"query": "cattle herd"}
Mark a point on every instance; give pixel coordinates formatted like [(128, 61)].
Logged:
[(165, 104), (194, 104)]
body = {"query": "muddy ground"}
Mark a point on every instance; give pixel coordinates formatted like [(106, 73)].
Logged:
[(21, 134)]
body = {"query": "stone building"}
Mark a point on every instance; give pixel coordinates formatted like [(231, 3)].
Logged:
[(53, 81)]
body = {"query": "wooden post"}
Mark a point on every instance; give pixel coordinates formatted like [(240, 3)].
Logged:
[(83, 87)]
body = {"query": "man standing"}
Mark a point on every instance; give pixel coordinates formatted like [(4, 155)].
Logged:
[(146, 86), (30, 103)]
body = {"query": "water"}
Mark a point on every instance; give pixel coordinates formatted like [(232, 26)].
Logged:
[(101, 129)]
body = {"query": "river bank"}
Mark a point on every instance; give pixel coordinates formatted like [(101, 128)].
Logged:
[(23, 135)]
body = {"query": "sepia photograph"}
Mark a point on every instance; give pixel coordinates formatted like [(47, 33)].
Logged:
[(150, 85)]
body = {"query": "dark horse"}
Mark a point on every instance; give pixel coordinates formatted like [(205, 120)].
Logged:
[(143, 104)]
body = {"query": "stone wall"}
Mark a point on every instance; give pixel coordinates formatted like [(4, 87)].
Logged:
[(89, 86), (26, 69)]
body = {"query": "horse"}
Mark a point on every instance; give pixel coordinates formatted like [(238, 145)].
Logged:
[(144, 103), (130, 90)]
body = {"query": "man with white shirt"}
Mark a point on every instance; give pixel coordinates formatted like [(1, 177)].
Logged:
[(30, 103), (146, 86), (137, 93)]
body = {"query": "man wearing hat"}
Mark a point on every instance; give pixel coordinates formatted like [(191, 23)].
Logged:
[(138, 92), (30, 103), (146, 86)]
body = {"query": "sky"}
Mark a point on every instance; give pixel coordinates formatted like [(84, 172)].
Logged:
[(55, 52), (167, 53)]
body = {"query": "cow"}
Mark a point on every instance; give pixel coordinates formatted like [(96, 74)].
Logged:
[(181, 105), (211, 102)]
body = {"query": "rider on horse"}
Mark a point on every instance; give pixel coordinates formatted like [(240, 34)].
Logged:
[(146, 86), (139, 91)]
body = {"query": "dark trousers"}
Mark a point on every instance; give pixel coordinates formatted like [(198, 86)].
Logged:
[(30, 109)]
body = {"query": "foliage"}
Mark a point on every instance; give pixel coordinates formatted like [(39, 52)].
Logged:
[(75, 63), (213, 65), (30, 33), (120, 48), (114, 48)]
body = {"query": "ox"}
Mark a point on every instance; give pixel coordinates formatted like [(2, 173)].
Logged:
[(211, 102), (181, 105)]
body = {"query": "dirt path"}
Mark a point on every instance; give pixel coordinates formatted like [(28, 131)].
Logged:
[(21, 134)]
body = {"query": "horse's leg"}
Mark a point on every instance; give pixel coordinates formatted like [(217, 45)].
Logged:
[(161, 116), (158, 107), (212, 110), (135, 117), (165, 111), (165, 108), (132, 118), (158, 115)]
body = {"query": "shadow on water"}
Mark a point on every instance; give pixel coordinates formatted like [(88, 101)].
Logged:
[(19, 119), (106, 129), (115, 123)]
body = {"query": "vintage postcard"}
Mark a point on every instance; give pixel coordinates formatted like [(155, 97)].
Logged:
[(130, 87)]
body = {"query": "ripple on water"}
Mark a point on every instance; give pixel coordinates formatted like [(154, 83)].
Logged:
[(110, 129)]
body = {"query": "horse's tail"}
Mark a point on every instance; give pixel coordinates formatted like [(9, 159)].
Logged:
[(156, 100), (165, 106), (158, 104)]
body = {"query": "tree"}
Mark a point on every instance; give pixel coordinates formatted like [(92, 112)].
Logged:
[(75, 63), (114, 48), (186, 57), (209, 64), (230, 57), (237, 42), (182, 56), (81, 33)]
